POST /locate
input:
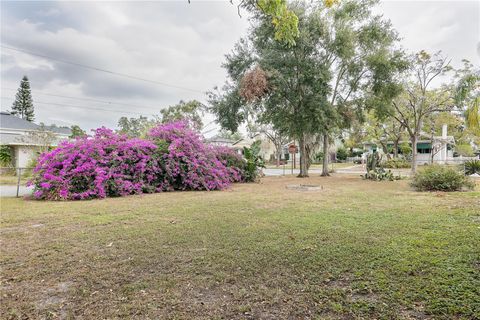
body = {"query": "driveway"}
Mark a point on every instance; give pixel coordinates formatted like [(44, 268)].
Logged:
[(11, 191)]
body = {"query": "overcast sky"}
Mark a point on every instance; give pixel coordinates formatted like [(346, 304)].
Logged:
[(169, 42)]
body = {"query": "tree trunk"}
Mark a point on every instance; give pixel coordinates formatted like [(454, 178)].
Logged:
[(385, 150), (303, 158), (279, 154), (414, 140), (395, 149), (325, 156)]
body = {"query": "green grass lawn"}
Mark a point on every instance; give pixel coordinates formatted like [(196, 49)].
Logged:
[(354, 250)]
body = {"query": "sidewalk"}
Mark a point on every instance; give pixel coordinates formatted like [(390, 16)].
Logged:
[(11, 191), (356, 169)]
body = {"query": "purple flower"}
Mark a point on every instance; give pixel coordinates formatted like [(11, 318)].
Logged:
[(173, 157)]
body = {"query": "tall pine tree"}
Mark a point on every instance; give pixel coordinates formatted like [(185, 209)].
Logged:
[(23, 104)]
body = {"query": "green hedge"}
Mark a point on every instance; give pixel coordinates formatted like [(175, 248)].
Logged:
[(441, 178), (396, 164)]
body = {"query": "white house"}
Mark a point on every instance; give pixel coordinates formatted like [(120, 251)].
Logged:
[(441, 148), (24, 137), (219, 141), (267, 148)]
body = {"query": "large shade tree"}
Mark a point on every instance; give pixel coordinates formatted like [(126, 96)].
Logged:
[(343, 60), (420, 98), (383, 131), (467, 95)]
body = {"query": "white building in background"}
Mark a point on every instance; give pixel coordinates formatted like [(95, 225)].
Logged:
[(20, 135), (219, 141), (440, 147), (437, 148), (267, 148)]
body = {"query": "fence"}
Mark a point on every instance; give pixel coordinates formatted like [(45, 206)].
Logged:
[(455, 161), (14, 176)]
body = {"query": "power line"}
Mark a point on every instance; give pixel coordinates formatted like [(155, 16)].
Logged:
[(108, 110), (88, 108), (85, 99), (100, 69)]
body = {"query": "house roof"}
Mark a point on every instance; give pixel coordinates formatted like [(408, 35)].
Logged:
[(220, 139), (60, 130), (9, 121)]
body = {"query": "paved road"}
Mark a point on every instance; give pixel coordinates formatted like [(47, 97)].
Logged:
[(11, 191), (354, 169)]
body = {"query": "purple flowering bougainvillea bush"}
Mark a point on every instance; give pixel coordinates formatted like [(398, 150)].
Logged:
[(106, 164), (190, 164), (109, 164)]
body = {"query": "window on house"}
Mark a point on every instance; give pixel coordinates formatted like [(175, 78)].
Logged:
[(422, 150)]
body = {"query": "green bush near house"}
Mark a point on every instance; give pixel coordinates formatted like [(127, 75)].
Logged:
[(254, 161), (441, 178), (405, 149), (396, 163), (6, 156), (464, 150), (342, 154), (352, 153), (318, 156)]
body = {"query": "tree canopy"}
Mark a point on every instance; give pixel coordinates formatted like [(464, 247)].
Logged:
[(190, 111), (467, 94), (343, 61), (77, 131), (420, 100)]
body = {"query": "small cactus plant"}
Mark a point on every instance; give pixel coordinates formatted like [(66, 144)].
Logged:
[(373, 160), (375, 171)]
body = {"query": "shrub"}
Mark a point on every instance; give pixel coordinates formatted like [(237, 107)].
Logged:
[(342, 154), (189, 163), (6, 156), (472, 167), (441, 178), (254, 162), (396, 163), (107, 164), (464, 150), (355, 153), (234, 163), (405, 149), (110, 164), (318, 156)]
